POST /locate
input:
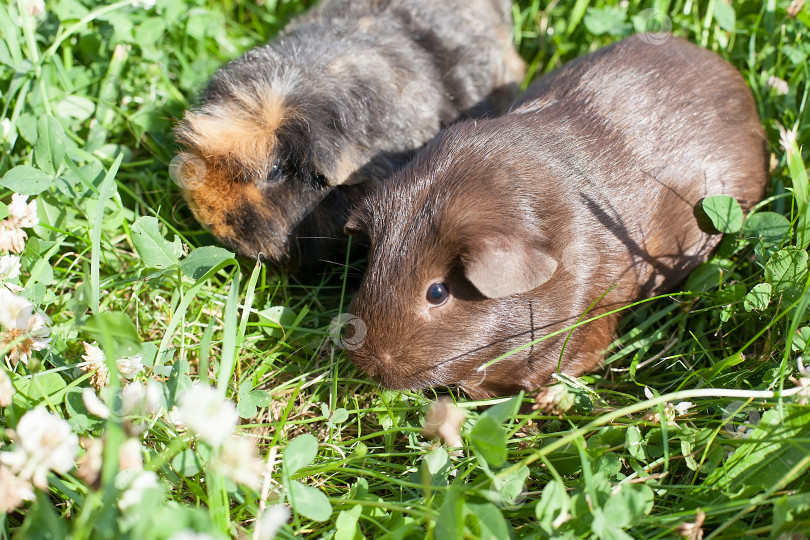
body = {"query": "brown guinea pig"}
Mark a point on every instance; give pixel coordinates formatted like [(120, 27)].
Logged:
[(578, 201), (287, 138)]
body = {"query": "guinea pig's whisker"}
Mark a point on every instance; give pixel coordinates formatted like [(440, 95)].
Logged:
[(469, 355)]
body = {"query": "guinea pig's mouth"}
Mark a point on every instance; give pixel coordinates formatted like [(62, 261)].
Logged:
[(257, 230), (394, 373), (436, 366), (386, 371)]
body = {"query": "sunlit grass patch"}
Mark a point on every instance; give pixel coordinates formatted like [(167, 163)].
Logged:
[(155, 385)]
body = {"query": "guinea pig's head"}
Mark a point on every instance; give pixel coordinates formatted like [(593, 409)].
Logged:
[(261, 151), (456, 240)]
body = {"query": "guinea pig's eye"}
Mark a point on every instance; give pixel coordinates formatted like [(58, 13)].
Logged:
[(437, 294), (276, 174)]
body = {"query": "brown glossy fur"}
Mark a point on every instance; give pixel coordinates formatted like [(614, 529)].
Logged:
[(585, 189)]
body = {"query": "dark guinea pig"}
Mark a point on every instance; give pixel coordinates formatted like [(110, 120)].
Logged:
[(505, 230), (287, 138)]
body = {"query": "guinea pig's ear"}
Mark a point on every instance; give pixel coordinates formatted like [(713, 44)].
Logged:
[(499, 270)]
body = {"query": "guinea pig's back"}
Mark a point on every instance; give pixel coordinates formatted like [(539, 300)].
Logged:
[(424, 41), (647, 131), (675, 108)]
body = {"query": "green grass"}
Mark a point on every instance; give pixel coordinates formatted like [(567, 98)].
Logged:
[(101, 85)]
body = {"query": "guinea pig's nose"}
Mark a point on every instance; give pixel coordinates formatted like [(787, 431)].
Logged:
[(378, 365)]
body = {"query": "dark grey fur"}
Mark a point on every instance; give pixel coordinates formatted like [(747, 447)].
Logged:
[(354, 65)]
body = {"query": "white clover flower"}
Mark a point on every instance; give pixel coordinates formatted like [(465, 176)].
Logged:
[(174, 417), (9, 267), (13, 490), (95, 362), (88, 466), (43, 442), (35, 338), (208, 414), (130, 366), (682, 408), (26, 330), (555, 399), (780, 86), (6, 389), (443, 419), (139, 399), (21, 214), (238, 461), (130, 455), (11, 239), (15, 311), (270, 521), (671, 412), (5, 129), (34, 8), (38, 326), (692, 530), (134, 484), (787, 139), (94, 405)]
